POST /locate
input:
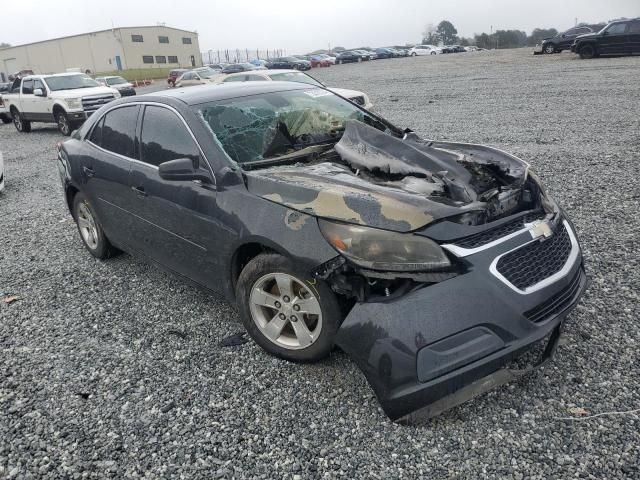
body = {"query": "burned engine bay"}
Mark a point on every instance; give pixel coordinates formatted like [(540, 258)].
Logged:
[(374, 179)]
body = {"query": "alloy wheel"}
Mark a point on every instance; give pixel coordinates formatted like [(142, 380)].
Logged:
[(550, 48), (87, 226), (17, 122), (286, 311), (63, 124)]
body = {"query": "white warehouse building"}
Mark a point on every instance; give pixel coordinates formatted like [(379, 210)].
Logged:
[(106, 51)]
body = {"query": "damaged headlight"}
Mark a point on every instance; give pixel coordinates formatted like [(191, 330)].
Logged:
[(383, 250)]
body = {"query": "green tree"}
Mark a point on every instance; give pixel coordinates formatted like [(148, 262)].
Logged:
[(5, 45), (430, 35), (539, 34), (510, 38), (447, 32)]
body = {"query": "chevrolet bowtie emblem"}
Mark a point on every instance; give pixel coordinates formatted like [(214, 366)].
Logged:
[(540, 229)]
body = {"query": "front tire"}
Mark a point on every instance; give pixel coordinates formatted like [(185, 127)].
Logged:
[(587, 52), (6, 119), (64, 126), (286, 311), (549, 48), (23, 126), (90, 230)]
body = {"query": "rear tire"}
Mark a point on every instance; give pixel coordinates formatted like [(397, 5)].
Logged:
[(23, 126), (285, 310), (6, 119), (587, 52), (90, 230)]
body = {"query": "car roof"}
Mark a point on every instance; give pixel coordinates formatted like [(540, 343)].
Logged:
[(211, 93)]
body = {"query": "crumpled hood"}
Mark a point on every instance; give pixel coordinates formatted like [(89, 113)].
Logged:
[(385, 182)]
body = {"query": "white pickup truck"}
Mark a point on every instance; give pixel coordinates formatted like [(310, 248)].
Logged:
[(66, 99)]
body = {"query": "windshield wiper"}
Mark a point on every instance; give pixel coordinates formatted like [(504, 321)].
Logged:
[(314, 150)]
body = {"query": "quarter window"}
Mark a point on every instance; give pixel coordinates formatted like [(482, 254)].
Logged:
[(118, 131), (186, 40), (147, 58), (161, 59), (163, 39), (164, 138), (137, 38), (173, 59), (634, 27)]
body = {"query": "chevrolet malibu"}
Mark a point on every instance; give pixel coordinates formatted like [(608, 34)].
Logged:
[(442, 269)]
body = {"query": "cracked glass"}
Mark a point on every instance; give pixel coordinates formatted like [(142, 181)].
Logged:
[(264, 126)]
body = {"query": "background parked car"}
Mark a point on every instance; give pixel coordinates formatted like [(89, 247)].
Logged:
[(365, 54), (198, 76), (562, 41), (355, 96), (119, 83), (289, 62), (420, 50), (216, 66), (348, 56), (318, 61), (618, 38), (384, 53), (241, 67), (258, 62), (5, 116), (174, 75)]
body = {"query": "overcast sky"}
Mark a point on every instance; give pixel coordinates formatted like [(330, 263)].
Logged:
[(300, 25)]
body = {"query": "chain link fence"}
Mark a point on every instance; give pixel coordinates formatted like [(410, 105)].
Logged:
[(237, 55)]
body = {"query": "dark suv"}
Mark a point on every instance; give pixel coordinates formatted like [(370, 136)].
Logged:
[(432, 264), (563, 41), (618, 38)]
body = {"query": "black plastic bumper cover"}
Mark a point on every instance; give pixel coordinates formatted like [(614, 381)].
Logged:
[(441, 345)]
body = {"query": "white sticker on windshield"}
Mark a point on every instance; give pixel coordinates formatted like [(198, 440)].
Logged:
[(316, 92)]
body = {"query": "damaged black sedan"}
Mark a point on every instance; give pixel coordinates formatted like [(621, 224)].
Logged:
[(440, 268)]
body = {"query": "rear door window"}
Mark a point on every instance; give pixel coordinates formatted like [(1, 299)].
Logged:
[(119, 131), (164, 138)]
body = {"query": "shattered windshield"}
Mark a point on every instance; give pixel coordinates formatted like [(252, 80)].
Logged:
[(270, 125)]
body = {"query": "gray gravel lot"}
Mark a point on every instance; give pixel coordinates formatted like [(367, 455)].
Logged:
[(114, 369)]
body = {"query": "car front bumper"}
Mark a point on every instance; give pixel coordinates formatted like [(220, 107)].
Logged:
[(442, 344)]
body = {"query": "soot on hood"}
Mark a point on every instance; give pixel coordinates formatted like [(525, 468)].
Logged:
[(375, 179)]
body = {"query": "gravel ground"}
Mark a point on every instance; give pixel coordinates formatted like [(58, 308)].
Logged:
[(114, 369)]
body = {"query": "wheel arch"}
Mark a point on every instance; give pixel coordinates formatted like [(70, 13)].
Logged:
[(57, 108), (246, 252)]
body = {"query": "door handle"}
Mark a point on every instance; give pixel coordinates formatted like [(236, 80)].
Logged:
[(140, 191), (88, 171)]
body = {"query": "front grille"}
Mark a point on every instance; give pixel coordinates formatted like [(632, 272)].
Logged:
[(536, 261), (557, 303), (359, 100), (94, 102), (488, 236)]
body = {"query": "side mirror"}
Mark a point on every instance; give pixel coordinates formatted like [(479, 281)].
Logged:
[(605, 33), (564, 35), (38, 92), (182, 169)]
